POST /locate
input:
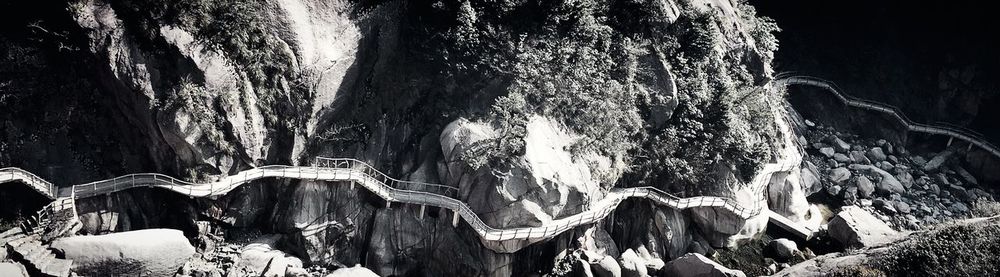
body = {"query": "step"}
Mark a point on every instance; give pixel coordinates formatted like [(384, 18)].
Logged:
[(35, 253), (21, 240), (10, 235), (58, 268), (44, 261), (38, 255), (26, 248)]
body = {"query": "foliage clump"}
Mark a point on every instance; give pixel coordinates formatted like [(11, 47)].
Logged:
[(599, 68)]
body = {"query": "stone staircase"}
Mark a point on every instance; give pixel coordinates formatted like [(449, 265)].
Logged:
[(24, 244)]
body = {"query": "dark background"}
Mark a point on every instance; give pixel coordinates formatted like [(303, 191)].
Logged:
[(935, 60)]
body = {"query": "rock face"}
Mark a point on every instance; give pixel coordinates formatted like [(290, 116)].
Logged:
[(855, 227), (543, 184), (697, 265), (786, 195), (152, 252)]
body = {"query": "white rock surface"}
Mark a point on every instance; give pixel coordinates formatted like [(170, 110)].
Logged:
[(160, 252), (13, 270), (355, 271), (857, 228), (696, 265)]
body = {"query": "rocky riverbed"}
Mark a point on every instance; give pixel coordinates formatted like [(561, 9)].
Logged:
[(906, 190)]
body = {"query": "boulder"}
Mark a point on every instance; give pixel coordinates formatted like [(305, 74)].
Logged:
[(827, 151), (885, 206), (865, 186), (935, 163), (905, 179), (810, 178), (782, 249), (850, 194), (841, 158), (786, 197), (901, 207), (13, 270), (888, 184), (694, 264), (859, 157), (854, 227), (966, 176), (839, 144), (840, 174), (632, 265), (876, 154), (154, 252), (356, 271), (604, 266), (262, 258), (960, 193), (834, 190)]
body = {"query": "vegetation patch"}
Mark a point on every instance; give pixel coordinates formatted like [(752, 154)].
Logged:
[(958, 250)]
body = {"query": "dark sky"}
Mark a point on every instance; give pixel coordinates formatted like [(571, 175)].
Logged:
[(895, 52)]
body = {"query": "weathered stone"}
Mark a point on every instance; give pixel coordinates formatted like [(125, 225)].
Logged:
[(966, 176), (356, 271), (901, 207), (262, 257), (157, 252), (13, 270), (810, 180), (935, 163), (839, 175), (876, 155), (959, 207), (692, 265), (834, 190), (865, 186), (884, 205), (858, 157), (839, 144), (884, 165), (905, 179), (632, 264), (959, 192), (841, 158), (918, 161), (782, 249), (786, 197), (889, 185), (604, 266), (855, 227), (850, 194), (827, 151)]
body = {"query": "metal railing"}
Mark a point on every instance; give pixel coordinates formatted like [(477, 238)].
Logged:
[(11, 174), (419, 193), (939, 128)]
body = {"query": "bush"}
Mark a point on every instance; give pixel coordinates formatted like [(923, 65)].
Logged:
[(597, 68), (962, 250)]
